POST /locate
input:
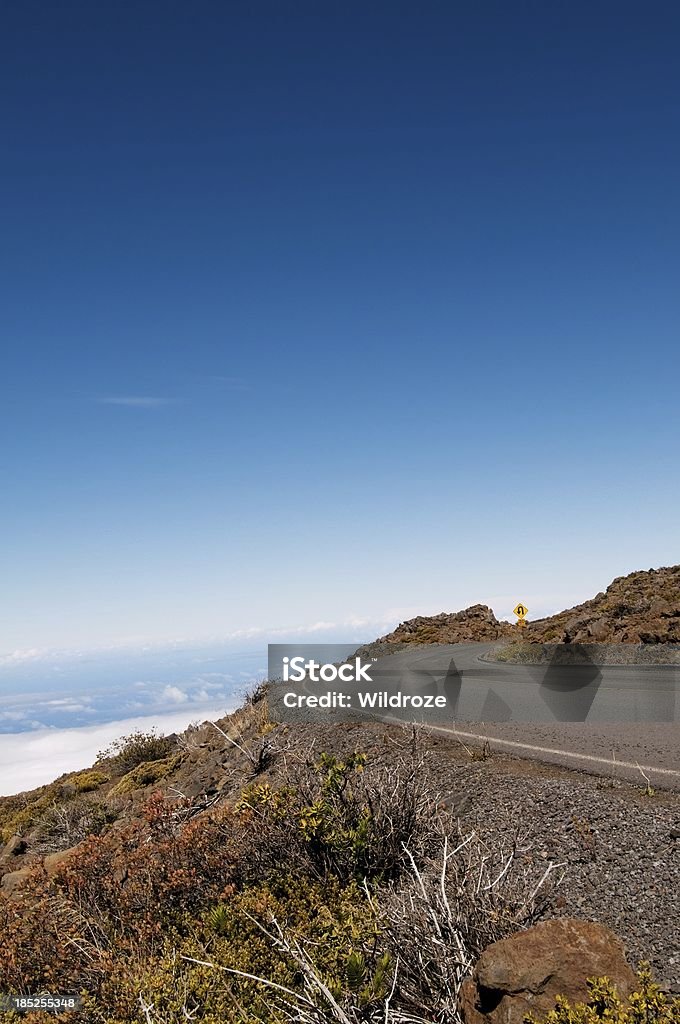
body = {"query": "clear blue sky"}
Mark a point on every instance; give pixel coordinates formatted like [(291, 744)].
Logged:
[(318, 311)]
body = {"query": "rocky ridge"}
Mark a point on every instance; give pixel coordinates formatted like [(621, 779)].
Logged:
[(641, 608)]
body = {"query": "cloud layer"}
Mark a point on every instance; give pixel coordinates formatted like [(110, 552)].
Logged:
[(32, 759)]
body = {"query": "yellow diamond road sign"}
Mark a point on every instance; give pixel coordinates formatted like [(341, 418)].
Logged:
[(521, 611)]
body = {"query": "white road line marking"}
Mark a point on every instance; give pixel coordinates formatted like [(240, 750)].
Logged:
[(610, 762)]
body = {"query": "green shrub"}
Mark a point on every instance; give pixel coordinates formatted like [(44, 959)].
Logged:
[(146, 773), (18, 814), (337, 886), (336, 922), (88, 780), (19, 821), (348, 818), (126, 753)]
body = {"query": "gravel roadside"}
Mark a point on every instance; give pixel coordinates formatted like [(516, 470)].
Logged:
[(620, 847)]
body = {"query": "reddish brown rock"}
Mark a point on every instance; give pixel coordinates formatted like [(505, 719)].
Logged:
[(53, 860), (475, 623), (643, 607), (524, 973)]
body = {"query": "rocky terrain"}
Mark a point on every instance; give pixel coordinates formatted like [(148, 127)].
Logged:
[(641, 608), (617, 845), (175, 851), (477, 623)]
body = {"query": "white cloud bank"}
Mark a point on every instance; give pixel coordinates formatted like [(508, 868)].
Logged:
[(31, 759)]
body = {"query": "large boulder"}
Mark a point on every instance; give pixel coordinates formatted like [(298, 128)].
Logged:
[(523, 974)]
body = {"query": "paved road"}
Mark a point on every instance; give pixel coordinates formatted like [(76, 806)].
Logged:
[(632, 722), (478, 689), (627, 718)]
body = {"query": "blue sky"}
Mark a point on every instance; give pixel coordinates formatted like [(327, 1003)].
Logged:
[(332, 312)]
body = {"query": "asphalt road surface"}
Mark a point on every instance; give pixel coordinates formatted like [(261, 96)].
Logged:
[(632, 727), (621, 721)]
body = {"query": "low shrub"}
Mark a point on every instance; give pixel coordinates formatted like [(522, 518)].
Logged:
[(339, 893), (127, 752), (200, 967), (146, 773), (20, 817), (64, 825), (88, 780), (19, 814), (350, 818)]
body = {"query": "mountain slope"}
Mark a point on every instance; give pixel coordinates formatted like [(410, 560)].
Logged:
[(643, 607)]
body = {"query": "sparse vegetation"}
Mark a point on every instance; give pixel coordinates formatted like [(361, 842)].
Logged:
[(258, 692), (67, 824), (146, 774), (18, 813), (126, 753), (266, 882), (311, 899), (646, 1005), (641, 609)]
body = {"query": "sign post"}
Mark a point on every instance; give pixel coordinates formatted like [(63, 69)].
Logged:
[(521, 611)]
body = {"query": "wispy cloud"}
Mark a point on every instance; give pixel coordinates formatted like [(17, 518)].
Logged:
[(137, 401), (28, 654), (354, 626), (68, 704)]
